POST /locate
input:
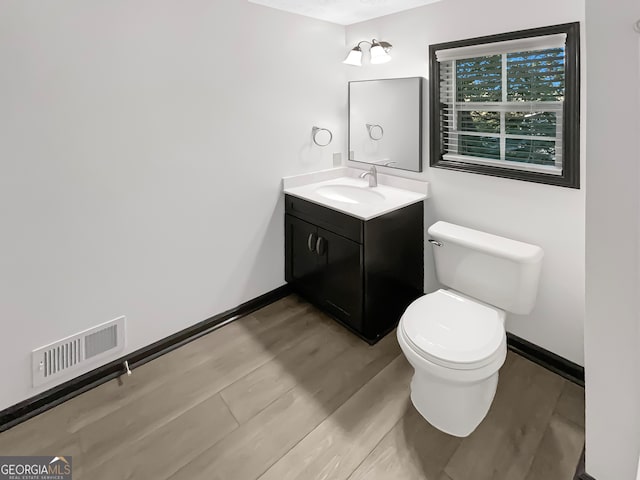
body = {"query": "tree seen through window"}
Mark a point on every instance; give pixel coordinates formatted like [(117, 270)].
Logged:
[(531, 78)]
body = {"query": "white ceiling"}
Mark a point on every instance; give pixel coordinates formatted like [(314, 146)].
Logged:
[(343, 12)]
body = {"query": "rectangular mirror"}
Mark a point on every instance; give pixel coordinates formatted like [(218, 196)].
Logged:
[(385, 122)]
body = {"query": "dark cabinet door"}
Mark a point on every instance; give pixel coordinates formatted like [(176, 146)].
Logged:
[(346, 267), (303, 266), (342, 288)]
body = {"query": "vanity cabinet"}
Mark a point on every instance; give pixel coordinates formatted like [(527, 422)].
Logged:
[(363, 273)]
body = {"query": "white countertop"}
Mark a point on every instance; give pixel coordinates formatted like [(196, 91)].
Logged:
[(394, 198)]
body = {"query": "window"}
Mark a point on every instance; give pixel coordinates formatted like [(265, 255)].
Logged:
[(508, 105)]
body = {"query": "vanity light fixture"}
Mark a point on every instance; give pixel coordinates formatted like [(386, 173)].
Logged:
[(379, 51)]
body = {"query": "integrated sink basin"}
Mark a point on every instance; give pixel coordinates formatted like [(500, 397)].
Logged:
[(350, 194), (353, 195)]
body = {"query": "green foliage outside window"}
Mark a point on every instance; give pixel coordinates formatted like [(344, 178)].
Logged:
[(531, 78)]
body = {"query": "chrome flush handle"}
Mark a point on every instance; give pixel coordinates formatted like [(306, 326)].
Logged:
[(435, 242)]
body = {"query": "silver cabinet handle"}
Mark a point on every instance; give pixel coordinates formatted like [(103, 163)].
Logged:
[(311, 242), (320, 246), (435, 242)]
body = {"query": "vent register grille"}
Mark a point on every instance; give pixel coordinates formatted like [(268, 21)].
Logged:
[(63, 358)]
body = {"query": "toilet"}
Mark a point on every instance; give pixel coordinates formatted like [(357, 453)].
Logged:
[(455, 337)]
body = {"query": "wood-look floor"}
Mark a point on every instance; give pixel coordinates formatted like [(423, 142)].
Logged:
[(286, 393)]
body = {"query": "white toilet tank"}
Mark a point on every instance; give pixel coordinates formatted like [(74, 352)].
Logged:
[(496, 270)]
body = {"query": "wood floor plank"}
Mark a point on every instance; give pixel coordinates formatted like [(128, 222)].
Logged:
[(253, 392), (559, 450), (311, 403), (252, 448), (109, 435), (571, 404), (112, 397), (341, 442), (172, 446), (503, 446), (412, 450)]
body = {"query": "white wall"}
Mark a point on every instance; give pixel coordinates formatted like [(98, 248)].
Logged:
[(142, 145), (552, 217), (612, 336)]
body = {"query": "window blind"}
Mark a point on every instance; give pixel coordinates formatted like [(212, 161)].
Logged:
[(496, 48), (502, 103)]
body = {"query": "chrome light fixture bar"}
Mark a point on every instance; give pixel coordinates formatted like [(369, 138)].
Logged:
[(379, 51)]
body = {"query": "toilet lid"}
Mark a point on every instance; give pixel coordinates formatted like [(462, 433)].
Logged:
[(451, 329)]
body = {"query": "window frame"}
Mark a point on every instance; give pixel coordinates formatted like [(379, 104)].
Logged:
[(570, 176)]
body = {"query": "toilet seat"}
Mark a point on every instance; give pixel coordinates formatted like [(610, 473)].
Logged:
[(454, 331)]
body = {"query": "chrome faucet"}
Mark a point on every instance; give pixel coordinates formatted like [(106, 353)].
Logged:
[(373, 176)]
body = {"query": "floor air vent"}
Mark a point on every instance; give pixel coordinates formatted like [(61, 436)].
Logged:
[(63, 358)]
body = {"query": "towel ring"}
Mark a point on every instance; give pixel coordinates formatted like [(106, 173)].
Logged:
[(372, 135), (314, 134), (636, 26)]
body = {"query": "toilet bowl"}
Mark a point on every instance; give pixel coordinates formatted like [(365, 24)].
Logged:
[(456, 347), (455, 338)]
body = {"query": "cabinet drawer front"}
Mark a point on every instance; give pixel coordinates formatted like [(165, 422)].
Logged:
[(337, 222)]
